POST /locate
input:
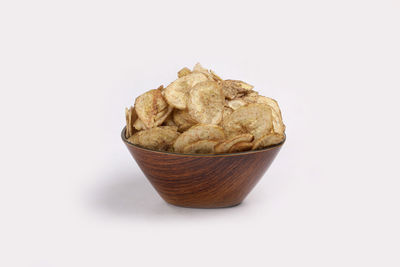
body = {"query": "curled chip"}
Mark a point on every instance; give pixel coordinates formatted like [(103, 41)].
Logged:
[(159, 138), (255, 119), (200, 147), (226, 112), (183, 120), (169, 121), (176, 93), (239, 147), (197, 133), (268, 140), (130, 116), (206, 102), (225, 146), (149, 105), (232, 88), (183, 72)]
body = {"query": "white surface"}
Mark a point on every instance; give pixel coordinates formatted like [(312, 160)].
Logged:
[(71, 195)]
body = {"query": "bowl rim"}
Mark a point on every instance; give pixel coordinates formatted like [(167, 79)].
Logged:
[(125, 140)]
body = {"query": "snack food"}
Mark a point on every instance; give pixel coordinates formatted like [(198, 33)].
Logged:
[(200, 113)]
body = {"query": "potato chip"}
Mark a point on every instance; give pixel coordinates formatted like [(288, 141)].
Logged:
[(159, 138), (206, 102), (183, 120), (225, 146), (239, 147), (236, 103), (203, 114), (232, 87), (183, 72), (176, 93), (148, 105), (268, 140), (197, 133), (255, 119), (130, 116), (277, 122), (200, 147)]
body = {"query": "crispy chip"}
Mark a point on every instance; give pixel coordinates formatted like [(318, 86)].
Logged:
[(253, 118), (215, 76), (268, 140), (225, 146), (239, 147), (197, 133), (159, 138), (176, 93), (148, 105), (236, 103), (183, 120), (130, 116), (277, 122), (206, 102), (183, 72), (200, 147), (239, 86)]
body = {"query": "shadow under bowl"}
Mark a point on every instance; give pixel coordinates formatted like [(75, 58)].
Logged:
[(203, 181)]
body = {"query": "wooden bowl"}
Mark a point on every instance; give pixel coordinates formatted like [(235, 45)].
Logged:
[(203, 181)]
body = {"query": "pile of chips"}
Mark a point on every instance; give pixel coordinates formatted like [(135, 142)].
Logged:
[(200, 113)]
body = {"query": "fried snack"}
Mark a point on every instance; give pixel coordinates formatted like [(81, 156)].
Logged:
[(183, 120), (183, 72), (130, 116), (197, 133), (148, 107), (176, 93), (239, 147), (200, 147), (159, 138), (200, 113), (206, 102), (268, 140), (225, 146), (255, 119)]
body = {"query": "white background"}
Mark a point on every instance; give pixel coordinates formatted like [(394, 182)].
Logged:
[(71, 195)]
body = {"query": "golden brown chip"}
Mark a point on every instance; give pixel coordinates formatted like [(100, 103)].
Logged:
[(176, 93), (277, 122), (130, 116), (148, 105), (236, 103), (183, 120), (239, 147), (200, 147), (183, 72), (206, 102), (197, 133), (268, 140), (239, 86), (159, 138), (225, 146), (255, 119), (233, 89)]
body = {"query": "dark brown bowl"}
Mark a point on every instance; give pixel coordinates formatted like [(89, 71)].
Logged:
[(203, 181)]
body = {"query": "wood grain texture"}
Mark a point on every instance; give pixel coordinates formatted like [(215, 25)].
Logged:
[(203, 181)]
